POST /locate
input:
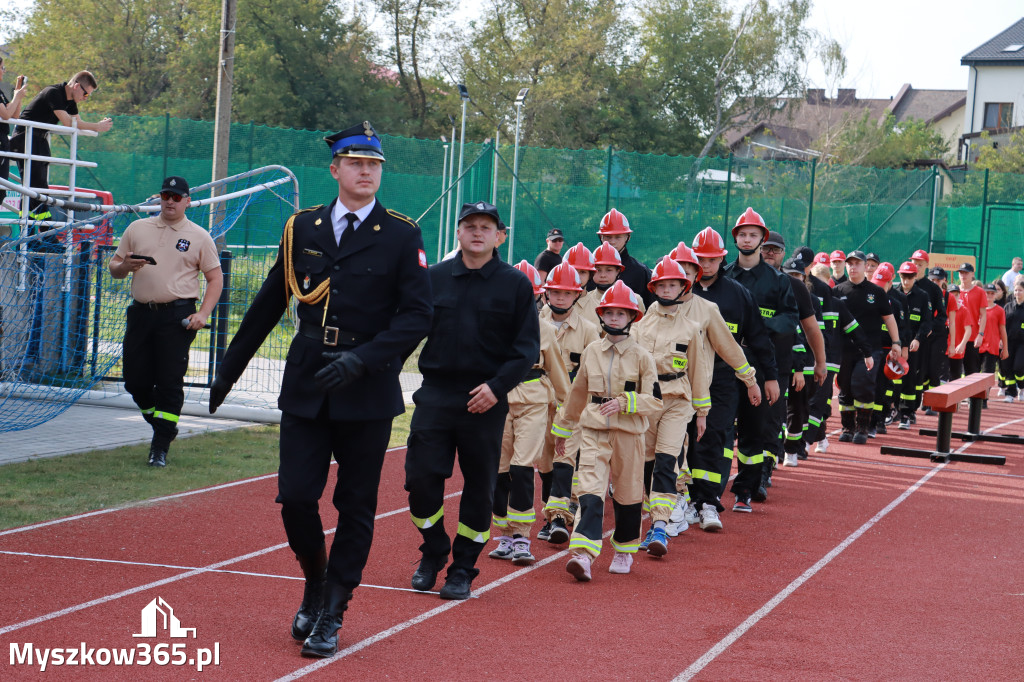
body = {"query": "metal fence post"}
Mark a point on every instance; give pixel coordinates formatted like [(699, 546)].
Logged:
[(934, 204), (810, 203), (167, 137), (608, 182), (728, 195), (219, 337), (984, 216)]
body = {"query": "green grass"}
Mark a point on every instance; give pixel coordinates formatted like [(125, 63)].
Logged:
[(45, 489)]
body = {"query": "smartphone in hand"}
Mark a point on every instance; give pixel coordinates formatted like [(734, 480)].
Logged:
[(21, 81), (148, 259)]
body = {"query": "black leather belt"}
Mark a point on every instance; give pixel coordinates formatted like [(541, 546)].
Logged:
[(332, 336), (599, 399), (168, 304), (671, 377), (534, 374)]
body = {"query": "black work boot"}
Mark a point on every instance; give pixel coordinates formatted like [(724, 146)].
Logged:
[(323, 640), (426, 574), (157, 456), (314, 568), (847, 418), (457, 584), (760, 493), (863, 423)]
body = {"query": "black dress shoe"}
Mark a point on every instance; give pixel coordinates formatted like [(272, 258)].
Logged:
[(426, 575), (323, 640), (314, 568), (157, 457), (457, 585)]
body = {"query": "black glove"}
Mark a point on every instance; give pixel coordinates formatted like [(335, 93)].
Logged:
[(344, 368), (218, 391)]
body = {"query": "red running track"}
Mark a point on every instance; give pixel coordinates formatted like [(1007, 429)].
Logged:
[(859, 566)]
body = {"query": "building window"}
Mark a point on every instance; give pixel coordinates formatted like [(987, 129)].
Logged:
[(998, 115)]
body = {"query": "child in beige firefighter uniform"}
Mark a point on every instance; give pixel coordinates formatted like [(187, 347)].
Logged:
[(523, 441), (614, 392), (675, 342), (573, 333)]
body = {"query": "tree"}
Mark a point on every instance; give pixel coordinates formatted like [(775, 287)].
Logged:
[(865, 141), (1006, 158)]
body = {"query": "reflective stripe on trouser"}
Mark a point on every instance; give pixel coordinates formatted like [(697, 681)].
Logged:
[(784, 362), (441, 431), (709, 453), (754, 428), (522, 444), (797, 418), (561, 489), (910, 396), (819, 408), (547, 455), (616, 457), (521, 514), (856, 381)]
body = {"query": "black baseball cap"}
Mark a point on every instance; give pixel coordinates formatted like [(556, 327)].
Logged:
[(990, 287), (481, 207), (806, 254), (965, 267), (937, 273), (775, 239), (176, 185), (555, 233), (873, 256), (856, 255), (953, 289), (797, 265)]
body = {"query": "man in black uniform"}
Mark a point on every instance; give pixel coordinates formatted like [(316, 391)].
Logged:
[(359, 273), (819, 403), (870, 307), (887, 391), (773, 294), (714, 451), (934, 363), (483, 340), (919, 321), (551, 256), (615, 230)]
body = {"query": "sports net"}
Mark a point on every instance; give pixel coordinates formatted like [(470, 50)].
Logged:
[(63, 315)]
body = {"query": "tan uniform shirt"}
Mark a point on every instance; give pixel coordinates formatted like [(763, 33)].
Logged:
[(611, 370), (554, 385), (181, 250), (675, 342), (573, 336), (717, 339)]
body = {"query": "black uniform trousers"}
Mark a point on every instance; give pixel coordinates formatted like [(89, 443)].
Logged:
[(857, 386), (706, 457), (155, 361), (442, 429), (755, 428), (1012, 368), (935, 362), (972, 358), (784, 363), (797, 412), (819, 408), (305, 460), (39, 175), (913, 383)]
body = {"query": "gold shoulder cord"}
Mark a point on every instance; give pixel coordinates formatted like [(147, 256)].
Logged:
[(291, 286)]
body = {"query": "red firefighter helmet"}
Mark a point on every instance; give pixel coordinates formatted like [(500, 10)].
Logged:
[(920, 254), (532, 274), (894, 369), (580, 258), (607, 255), (908, 268), (669, 269), (614, 222), (564, 277), (837, 255), (684, 254), (709, 243), (619, 295), (750, 217)]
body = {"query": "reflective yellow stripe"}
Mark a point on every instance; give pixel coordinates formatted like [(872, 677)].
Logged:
[(753, 459), (702, 402), (557, 503), (560, 432), (727, 453), (663, 501), (476, 536), (167, 416), (712, 476), (499, 521), (149, 410), (630, 402), (522, 517), (532, 381), (626, 547), (429, 521), (581, 542), (744, 368)]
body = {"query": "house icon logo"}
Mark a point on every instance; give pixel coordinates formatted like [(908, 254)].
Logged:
[(158, 615)]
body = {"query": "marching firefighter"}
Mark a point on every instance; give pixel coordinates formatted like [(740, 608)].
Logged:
[(919, 319), (615, 230)]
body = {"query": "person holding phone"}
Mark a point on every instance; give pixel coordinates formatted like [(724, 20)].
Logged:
[(164, 255), (9, 108)]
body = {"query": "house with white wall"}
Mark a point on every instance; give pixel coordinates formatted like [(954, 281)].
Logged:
[(995, 92)]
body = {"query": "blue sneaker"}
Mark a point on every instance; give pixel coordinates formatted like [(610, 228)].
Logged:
[(657, 542), (647, 540)]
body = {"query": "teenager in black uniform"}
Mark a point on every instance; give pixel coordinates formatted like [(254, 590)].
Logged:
[(359, 273), (934, 364), (615, 230), (819, 400), (919, 321), (483, 340), (857, 377), (773, 295), (1012, 367), (887, 390)]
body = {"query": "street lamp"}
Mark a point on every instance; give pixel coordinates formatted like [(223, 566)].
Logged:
[(464, 94), (520, 98), (442, 227)]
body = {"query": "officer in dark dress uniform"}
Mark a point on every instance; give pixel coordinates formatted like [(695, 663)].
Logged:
[(484, 339), (359, 273)]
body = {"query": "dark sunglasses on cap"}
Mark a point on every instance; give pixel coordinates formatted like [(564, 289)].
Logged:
[(171, 196)]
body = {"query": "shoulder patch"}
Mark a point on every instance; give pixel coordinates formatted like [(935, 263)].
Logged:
[(307, 210), (404, 218)]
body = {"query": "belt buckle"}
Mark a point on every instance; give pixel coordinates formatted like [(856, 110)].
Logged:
[(153, 305), (328, 339)]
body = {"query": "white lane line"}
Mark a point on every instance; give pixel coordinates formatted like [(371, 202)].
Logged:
[(384, 634), (758, 615), (188, 574), (153, 500)]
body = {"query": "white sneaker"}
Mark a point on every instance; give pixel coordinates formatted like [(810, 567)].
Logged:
[(1008, 399), (621, 563), (677, 522), (692, 517), (709, 520), (822, 445), (790, 460)]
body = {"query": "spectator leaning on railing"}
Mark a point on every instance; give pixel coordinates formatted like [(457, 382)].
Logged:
[(8, 109)]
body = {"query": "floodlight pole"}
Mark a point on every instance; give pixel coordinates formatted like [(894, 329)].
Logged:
[(464, 94), (520, 98), (222, 114), (494, 185), (448, 197), (442, 227)]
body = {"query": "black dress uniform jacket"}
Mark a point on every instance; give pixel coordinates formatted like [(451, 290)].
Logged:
[(379, 299), (636, 276)]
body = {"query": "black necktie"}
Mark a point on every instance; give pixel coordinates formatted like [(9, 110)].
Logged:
[(347, 234)]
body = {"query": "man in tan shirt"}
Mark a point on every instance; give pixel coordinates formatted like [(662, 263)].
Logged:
[(165, 255)]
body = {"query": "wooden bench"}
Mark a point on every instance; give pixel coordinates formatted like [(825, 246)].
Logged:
[(945, 400)]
